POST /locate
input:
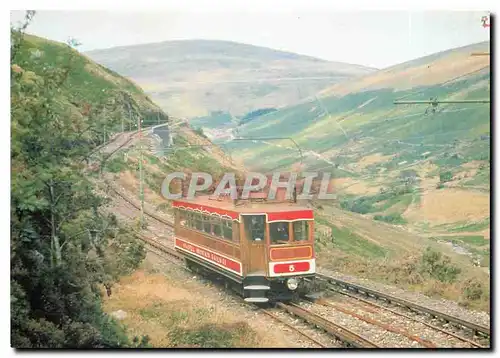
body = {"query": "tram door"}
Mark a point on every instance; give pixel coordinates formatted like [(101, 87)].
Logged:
[(255, 229)]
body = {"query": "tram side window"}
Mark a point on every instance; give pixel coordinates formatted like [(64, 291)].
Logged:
[(301, 230), (206, 224), (227, 229), (216, 226), (190, 220), (182, 217), (279, 232), (198, 221)]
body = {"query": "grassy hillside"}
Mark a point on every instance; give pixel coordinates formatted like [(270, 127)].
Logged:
[(193, 78), (396, 164), (62, 106), (89, 86)]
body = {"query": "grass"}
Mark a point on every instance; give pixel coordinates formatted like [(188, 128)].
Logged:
[(214, 120), (116, 164), (427, 271), (175, 313), (88, 83), (349, 242), (381, 202), (393, 218), (212, 336), (476, 226), (379, 127), (475, 240), (481, 178)]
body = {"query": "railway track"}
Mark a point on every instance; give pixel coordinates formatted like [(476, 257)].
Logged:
[(301, 330), (478, 335), (138, 207), (343, 336)]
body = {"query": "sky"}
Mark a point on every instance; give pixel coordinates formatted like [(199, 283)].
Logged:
[(376, 39)]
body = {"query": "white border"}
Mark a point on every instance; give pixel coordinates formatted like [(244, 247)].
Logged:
[(192, 5)]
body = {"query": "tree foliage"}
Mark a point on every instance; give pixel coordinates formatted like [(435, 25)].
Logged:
[(63, 249)]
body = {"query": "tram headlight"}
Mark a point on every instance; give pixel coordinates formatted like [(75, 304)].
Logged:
[(292, 284)]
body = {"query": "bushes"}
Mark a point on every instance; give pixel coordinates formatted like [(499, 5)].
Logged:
[(438, 266), (361, 205), (116, 165), (394, 218), (473, 289), (365, 204), (445, 176)]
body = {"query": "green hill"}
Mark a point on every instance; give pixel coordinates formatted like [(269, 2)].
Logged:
[(88, 85), (356, 132)]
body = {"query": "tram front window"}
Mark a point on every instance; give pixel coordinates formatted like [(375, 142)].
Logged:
[(255, 227), (301, 230), (279, 232)]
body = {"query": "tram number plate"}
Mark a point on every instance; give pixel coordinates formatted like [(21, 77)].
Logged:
[(292, 267)]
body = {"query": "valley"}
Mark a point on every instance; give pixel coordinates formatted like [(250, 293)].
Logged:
[(423, 174), (94, 134)]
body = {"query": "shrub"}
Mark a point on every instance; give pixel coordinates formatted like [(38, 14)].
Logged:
[(472, 289), (361, 205), (445, 176), (116, 165), (394, 218), (439, 266)]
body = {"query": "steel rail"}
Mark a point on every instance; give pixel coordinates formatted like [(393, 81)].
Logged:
[(476, 328), (131, 202), (342, 333), (472, 343), (312, 339)]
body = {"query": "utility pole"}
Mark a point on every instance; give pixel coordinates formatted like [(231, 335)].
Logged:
[(328, 114), (141, 177), (129, 117)]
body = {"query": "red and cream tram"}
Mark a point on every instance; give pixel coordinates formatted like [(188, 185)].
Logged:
[(265, 248)]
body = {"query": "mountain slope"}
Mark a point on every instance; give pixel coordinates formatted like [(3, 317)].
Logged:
[(398, 163), (425, 71), (88, 86), (195, 77)]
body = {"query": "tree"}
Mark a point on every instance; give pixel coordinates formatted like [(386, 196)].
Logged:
[(57, 264)]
